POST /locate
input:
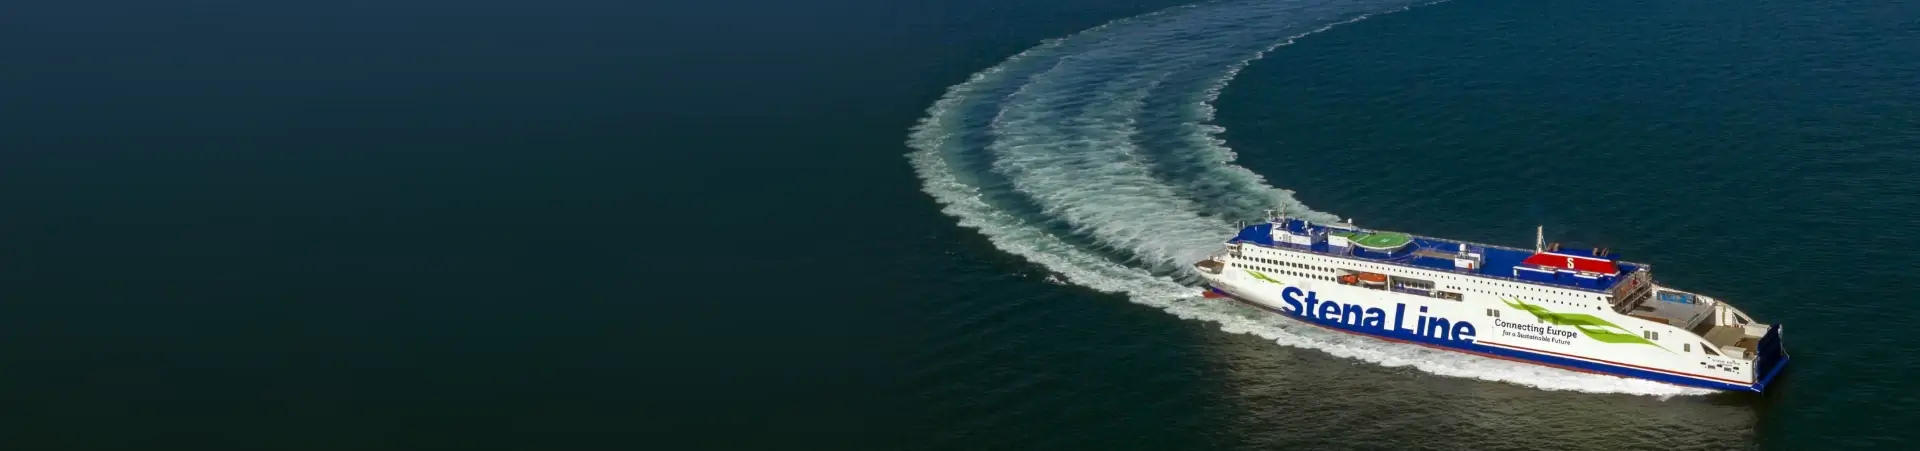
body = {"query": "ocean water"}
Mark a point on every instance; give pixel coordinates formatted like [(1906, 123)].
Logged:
[(953, 224)]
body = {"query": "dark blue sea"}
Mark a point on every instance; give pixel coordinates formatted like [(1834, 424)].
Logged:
[(940, 224)]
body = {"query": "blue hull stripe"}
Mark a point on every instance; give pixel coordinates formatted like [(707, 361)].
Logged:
[(1771, 344)]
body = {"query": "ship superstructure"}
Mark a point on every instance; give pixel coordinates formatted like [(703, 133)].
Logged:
[(1578, 308)]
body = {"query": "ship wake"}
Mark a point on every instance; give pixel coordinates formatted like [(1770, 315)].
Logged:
[(1094, 155)]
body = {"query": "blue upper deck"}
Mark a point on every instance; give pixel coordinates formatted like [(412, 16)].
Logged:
[(1439, 254)]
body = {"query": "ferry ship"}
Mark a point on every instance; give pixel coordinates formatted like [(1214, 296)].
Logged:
[(1582, 309)]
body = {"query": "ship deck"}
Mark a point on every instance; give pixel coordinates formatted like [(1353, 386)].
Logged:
[(1430, 253)]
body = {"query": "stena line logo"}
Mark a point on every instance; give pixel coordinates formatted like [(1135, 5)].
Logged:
[(1307, 304)]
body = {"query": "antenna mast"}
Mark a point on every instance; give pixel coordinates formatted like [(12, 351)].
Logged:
[(1539, 238)]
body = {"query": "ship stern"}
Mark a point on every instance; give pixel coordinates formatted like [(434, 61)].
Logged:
[(1771, 360)]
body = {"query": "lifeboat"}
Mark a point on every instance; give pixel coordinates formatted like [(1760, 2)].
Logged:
[(1373, 279)]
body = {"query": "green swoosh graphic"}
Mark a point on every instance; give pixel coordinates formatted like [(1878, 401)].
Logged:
[(1258, 275), (1589, 325)]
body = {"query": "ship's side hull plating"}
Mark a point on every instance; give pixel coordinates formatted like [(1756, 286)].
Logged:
[(1451, 325)]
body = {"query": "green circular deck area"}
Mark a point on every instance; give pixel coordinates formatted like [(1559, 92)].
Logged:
[(1379, 240)]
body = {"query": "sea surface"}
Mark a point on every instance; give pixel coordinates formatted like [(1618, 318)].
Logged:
[(943, 224)]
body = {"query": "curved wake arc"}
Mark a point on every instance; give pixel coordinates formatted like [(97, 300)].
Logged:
[(1094, 155)]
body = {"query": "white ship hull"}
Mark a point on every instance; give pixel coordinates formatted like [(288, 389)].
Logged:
[(1502, 318)]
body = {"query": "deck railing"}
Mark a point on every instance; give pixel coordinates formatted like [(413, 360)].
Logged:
[(1468, 272)]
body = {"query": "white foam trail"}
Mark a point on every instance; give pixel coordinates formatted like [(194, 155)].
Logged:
[(1063, 137), (1053, 151), (1212, 152)]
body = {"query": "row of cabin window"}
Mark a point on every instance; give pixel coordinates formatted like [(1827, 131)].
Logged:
[(1531, 298), (1300, 274), (1507, 285), (1282, 271), (1287, 263), (1456, 288)]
